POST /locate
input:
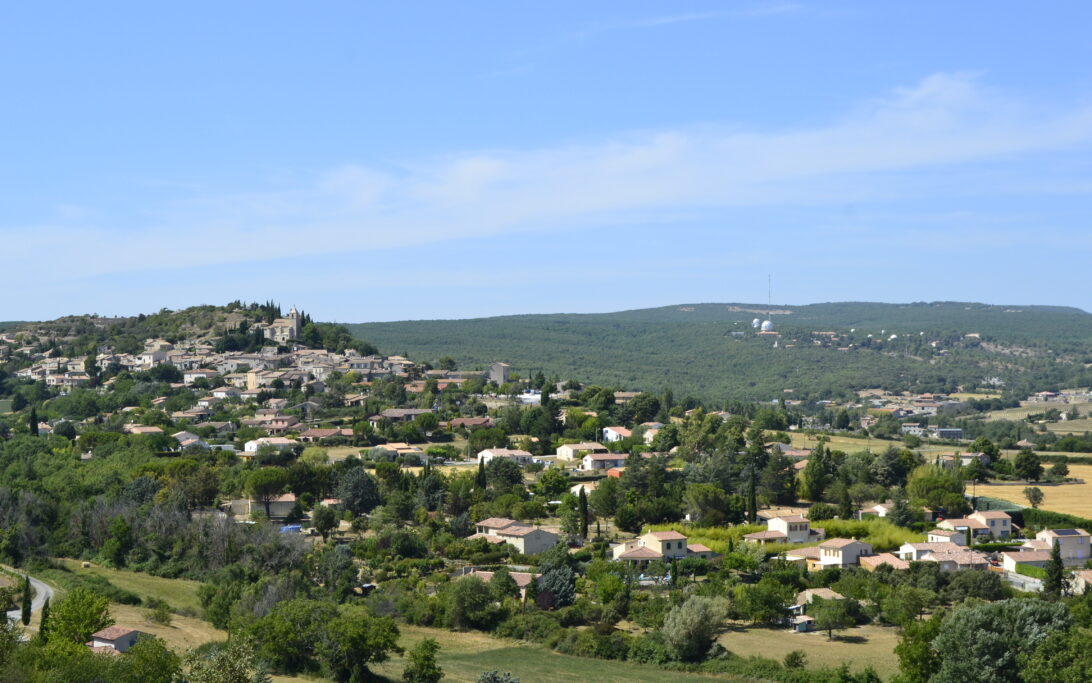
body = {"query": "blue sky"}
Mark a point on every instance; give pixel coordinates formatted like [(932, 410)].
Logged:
[(384, 161)]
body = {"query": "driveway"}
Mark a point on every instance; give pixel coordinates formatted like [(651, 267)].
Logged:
[(41, 592)]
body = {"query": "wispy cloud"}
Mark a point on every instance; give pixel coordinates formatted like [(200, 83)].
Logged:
[(880, 150), (675, 19)]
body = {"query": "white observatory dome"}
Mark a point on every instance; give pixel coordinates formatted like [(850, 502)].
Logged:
[(755, 323), (767, 326)]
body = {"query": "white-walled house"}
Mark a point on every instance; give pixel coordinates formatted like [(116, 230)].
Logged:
[(842, 552), (278, 442), (786, 529), (947, 536), (114, 639), (612, 434), (658, 546), (603, 461), (575, 451), (1034, 558), (527, 539), (1073, 544), (521, 457)]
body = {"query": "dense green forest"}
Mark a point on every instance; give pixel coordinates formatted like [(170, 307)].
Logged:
[(692, 349)]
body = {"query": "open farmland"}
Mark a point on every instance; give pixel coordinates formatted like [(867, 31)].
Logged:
[(1078, 426), (1072, 499)]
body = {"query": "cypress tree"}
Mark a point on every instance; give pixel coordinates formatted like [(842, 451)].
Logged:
[(26, 600), (846, 509), (480, 480), (583, 513), (1055, 583), (32, 421), (43, 626)]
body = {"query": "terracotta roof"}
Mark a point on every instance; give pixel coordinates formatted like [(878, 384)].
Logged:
[(791, 518), (993, 514), (806, 596), (1028, 556), (960, 557), (764, 535), (497, 522), (667, 535), (607, 456), (640, 554), (808, 553), (112, 633), (838, 542), (697, 548), (516, 530), (884, 558)]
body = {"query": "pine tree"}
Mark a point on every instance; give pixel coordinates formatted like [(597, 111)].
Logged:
[(26, 600)]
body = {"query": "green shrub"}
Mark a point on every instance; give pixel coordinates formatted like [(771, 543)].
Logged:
[(1031, 570)]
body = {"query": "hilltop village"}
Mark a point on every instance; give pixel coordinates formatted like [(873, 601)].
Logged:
[(314, 485)]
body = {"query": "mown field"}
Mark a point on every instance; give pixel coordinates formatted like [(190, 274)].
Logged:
[(861, 647), (185, 631), (464, 656), (180, 594), (1073, 499)]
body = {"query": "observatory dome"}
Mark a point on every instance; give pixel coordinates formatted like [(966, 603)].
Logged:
[(767, 326), (755, 323)]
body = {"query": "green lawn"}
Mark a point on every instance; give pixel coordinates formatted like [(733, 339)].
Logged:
[(861, 646), (180, 594), (464, 656)]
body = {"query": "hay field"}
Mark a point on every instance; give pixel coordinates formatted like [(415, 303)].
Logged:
[(182, 634), (1073, 499)]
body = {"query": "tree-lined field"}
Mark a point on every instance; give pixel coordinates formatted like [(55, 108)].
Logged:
[(464, 656), (1071, 499)]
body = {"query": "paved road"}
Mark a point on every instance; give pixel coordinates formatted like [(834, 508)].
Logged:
[(41, 592)]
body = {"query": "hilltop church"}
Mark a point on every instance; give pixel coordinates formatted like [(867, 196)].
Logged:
[(284, 330)]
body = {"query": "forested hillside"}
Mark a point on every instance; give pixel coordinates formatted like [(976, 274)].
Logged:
[(692, 349)]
